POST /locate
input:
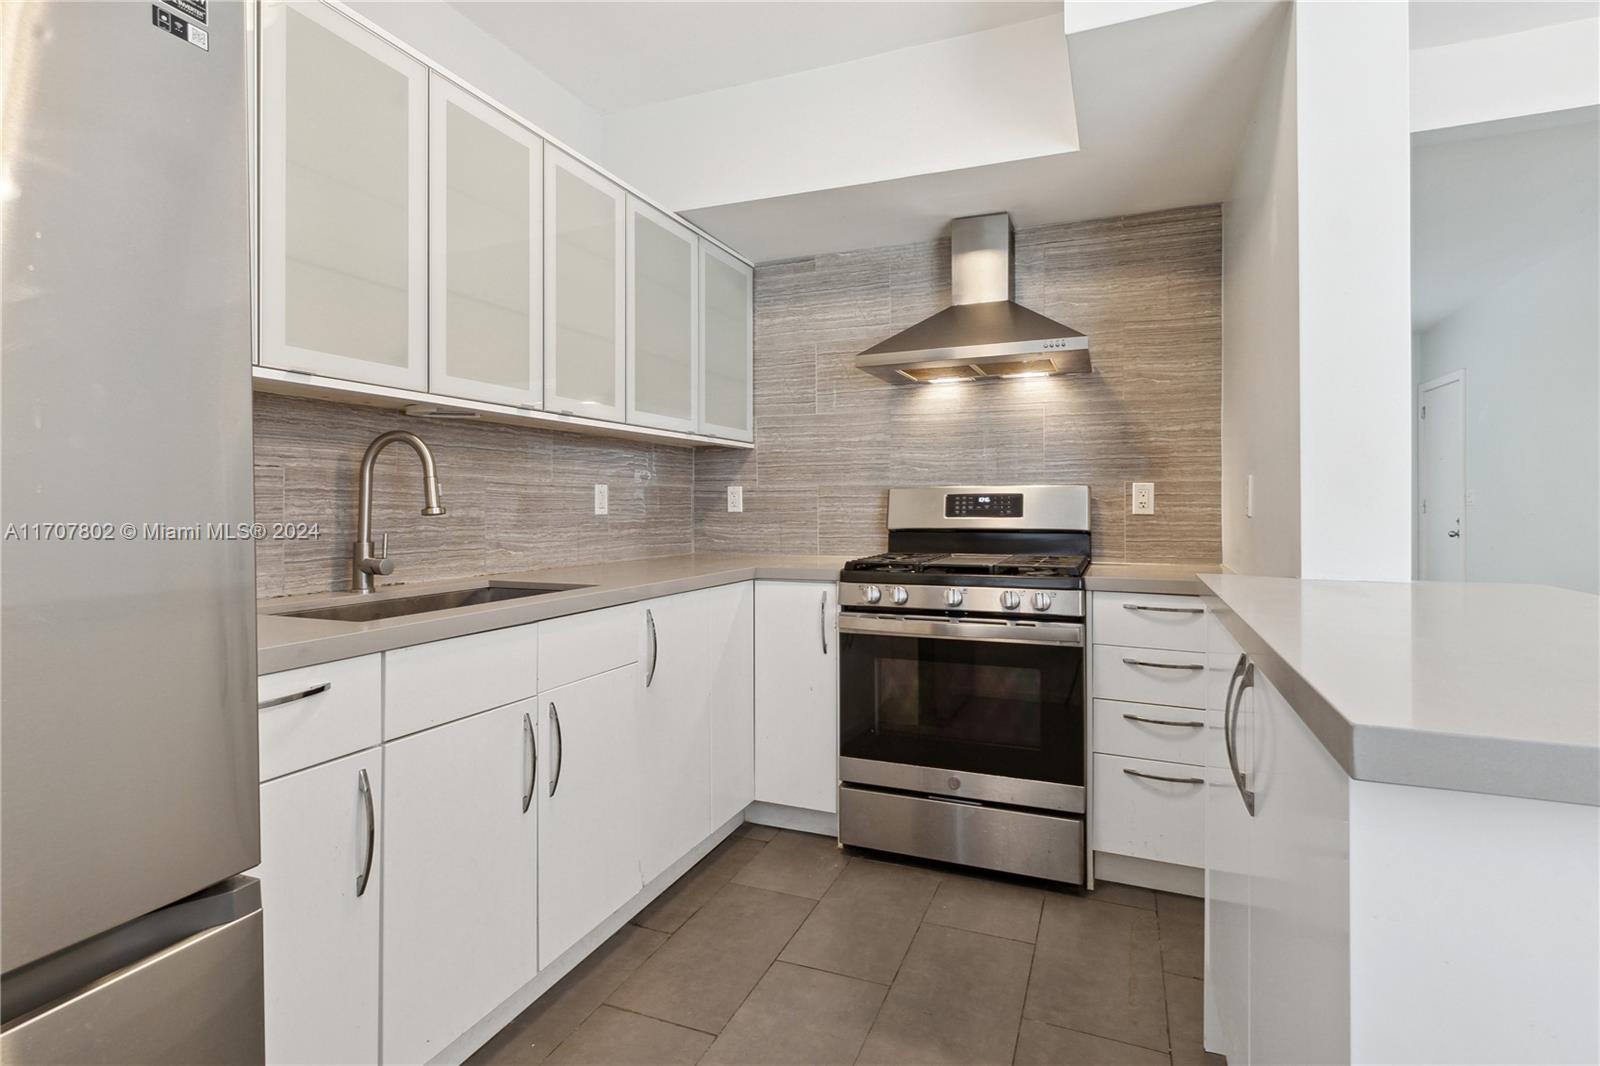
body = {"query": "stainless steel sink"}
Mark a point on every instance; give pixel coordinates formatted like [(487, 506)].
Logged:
[(372, 610)]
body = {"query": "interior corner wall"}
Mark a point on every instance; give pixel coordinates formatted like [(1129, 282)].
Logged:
[(465, 49), (1261, 333), (1352, 87)]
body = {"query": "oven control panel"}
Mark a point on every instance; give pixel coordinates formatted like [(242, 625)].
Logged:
[(947, 599), (983, 505)]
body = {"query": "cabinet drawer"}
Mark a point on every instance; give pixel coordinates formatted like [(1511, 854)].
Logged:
[(430, 684), (1150, 675), (318, 713), (1146, 817), (1170, 734), (583, 645), (1144, 621)]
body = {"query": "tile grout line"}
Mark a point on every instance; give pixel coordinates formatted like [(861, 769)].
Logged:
[(922, 920)]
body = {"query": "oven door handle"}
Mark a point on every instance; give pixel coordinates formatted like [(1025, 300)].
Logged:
[(1064, 634)]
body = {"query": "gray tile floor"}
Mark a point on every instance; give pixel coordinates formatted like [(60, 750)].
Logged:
[(780, 948)]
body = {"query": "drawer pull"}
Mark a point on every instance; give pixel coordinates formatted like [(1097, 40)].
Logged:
[(1163, 666), (1159, 777), (1163, 721), (1163, 610), (279, 701)]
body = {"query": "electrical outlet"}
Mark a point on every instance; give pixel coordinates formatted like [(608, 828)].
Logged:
[(1144, 497), (735, 499), (1249, 495), (602, 500)]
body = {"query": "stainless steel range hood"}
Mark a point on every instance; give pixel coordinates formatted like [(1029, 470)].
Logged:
[(985, 335)]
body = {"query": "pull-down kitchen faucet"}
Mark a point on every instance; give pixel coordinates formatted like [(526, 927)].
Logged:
[(363, 563)]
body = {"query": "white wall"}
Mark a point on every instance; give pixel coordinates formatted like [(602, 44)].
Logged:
[(1261, 334), (1529, 349), (459, 45), (1352, 66), (1536, 71)]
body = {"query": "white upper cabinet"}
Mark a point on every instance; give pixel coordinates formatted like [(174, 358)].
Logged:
[(663, 320), (343, 213), (486, 264), (727, 338), (584, 284)]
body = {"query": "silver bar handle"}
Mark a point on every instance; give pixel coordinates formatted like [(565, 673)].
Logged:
[(650, 630), (1244, 676), (294, 697), (561, 747), (1163, 666), (533, 769), (1159, 777), (364, 787), (1163, 610), (824, 621), (1163, 721)]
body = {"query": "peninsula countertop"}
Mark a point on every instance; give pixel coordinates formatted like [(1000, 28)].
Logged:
[(1472, 687)]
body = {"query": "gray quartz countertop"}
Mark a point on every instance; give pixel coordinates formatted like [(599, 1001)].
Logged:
[(1471, 687), (287, 643), (1181, 579)]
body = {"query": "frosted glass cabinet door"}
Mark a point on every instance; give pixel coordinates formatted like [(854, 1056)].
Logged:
[(584, 313), (727, 344), (663, 320), (343, 200), (486, 205)]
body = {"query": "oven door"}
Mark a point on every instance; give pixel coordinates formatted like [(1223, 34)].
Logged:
[(990, 710)]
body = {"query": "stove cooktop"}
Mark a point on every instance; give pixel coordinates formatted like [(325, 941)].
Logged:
[(966, 564)]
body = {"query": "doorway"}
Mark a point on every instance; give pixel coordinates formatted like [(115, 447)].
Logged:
[(1442, 477)]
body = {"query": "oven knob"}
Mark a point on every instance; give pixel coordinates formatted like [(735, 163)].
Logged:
[(953, 597), (1041, 601), (899, 596), (1010, 600), (871, 593)]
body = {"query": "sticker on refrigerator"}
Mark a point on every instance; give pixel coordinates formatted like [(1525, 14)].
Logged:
[(179, 27), (195, 9)]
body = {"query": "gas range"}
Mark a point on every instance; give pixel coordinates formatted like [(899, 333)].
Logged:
[(962, 717)]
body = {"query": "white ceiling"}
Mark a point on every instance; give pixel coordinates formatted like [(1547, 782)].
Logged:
[(1162, 105), (1436, 22), (616, 56), (1486, 203)]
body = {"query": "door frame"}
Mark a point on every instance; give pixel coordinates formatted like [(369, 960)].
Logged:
[(1455, 377)]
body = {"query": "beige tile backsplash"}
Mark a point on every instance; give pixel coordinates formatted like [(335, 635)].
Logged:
[(830, 439)]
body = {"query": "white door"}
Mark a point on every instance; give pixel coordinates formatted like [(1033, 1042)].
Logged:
[(460, 874), (486, 263), (727, 344), (1441, 477), (797, 694), (730, 645), (344, 210), (674, 795), (585, 243), (588, 806), (321, 891), (1227, 859), (663, 320)]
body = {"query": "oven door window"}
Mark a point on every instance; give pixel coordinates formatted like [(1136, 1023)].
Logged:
[(1014, 710)]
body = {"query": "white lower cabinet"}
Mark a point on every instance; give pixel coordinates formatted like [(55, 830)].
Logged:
[(1150, 810), (461, 844), (674, 733), (588, 781), (320, 916), (797, 694), (729, 637)]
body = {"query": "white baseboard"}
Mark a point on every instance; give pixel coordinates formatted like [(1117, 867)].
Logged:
[(1147, 873), (458, 1050), (800, 819)]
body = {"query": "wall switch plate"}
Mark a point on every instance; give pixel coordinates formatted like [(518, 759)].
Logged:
[(735, 499), (602, 500), (1144, 497), (1249, 495)]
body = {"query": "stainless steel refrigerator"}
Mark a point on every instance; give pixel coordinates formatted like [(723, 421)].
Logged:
[(128, 774)]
